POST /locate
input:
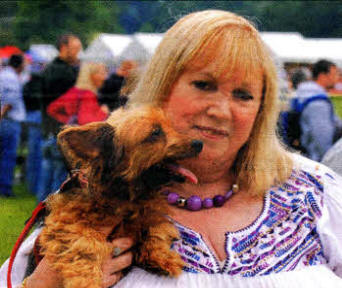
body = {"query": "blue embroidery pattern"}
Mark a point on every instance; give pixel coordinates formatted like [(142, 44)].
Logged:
[(282, 239)]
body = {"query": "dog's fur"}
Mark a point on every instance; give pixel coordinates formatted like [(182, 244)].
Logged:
[(124, 163)]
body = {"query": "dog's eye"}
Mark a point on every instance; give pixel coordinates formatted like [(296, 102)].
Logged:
[(156, 133)]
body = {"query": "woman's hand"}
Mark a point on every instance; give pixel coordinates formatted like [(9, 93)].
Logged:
[(114, 264), (45, 276)]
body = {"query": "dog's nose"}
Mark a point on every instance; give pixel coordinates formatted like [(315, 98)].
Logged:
[(197, 145)]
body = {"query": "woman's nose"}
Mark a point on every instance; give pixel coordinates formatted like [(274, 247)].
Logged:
[(220, 107)]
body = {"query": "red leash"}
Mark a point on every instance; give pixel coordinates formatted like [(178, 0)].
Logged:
[(75, 174), (40, 207)]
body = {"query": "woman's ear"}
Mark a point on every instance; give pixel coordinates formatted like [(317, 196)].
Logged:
[(80, 145)]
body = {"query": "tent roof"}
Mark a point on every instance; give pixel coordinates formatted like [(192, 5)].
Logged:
[(285, 47), (150, 41), (43, 53), (106, 48), (117, 43), (326, 48), (293, 47)]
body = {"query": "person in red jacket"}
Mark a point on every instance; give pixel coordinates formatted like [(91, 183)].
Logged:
[(79, 105)]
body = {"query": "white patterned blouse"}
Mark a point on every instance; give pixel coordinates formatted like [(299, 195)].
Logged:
[(295, 242)]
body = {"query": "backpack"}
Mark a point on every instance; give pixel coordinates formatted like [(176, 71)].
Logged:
[(289, 121)]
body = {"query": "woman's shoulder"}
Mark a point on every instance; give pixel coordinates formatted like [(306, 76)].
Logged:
[(314, 170), (312, 183)]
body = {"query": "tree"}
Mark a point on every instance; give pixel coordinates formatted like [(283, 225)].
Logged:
[(25, 22), (43, 21), (7, 12), (311, 18), (316, 19)]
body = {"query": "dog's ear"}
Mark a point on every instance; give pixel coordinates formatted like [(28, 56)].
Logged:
[(82, 144)]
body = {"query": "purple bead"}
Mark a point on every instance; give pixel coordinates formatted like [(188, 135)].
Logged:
[(208, 203), (219, 200), (194, 203), (172, 198), (228, 194)]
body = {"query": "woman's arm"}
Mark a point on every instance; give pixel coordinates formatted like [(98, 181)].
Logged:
[(64, 107), (329, 225), (45, 276)]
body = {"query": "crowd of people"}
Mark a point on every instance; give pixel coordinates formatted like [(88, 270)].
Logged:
[(62, 92), (317, 122), (278, 222), (87, 91)]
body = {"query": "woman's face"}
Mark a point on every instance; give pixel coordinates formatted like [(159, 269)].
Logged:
[(99, 76), (219, 111)]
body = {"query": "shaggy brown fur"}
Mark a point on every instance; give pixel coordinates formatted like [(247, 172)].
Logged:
[(125, 163)]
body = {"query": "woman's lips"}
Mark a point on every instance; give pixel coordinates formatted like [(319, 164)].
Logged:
[(212, 133)]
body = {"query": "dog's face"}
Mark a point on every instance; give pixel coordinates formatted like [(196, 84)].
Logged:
[(132, 145)]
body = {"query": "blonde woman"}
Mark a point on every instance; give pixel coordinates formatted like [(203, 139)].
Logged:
[(79, 105), (259, 215)]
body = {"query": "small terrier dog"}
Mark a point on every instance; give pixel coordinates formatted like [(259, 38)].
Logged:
[(122, 165)]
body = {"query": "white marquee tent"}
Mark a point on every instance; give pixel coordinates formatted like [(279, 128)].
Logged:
[(286, 47), (113, 48), (107, 48), (293, 47), (43, 52), (149, 41)]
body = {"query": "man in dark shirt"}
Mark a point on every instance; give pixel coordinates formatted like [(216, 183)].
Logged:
[(58, 77)]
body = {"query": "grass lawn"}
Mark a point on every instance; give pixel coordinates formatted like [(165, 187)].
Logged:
[(13, 214), (337, 101)]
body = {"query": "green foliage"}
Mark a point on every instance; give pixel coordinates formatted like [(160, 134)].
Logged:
[(13, 214), (311, 18), (24, 22), (7, 10), (337, 101), (43, 21)]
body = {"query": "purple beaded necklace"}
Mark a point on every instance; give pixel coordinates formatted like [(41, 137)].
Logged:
[(195, 203)]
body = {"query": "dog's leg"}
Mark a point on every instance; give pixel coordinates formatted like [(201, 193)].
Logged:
[(78, 256), (85, 260), (156, 254)]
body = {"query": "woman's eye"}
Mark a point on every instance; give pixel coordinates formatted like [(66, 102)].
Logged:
[(242, 94), (204, 85)]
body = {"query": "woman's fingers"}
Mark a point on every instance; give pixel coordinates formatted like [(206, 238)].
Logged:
[(44, 276), (119, 259), (118, 263), (120, 245), (112, 268), (111, 280)]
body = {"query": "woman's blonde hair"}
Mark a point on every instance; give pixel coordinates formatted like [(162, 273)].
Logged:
[(233, 43), (87, 69)]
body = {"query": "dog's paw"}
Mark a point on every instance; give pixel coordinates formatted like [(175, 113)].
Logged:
[(161, 262), (171, 264)]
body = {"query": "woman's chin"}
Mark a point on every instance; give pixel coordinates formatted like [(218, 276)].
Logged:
[(208, 158)]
